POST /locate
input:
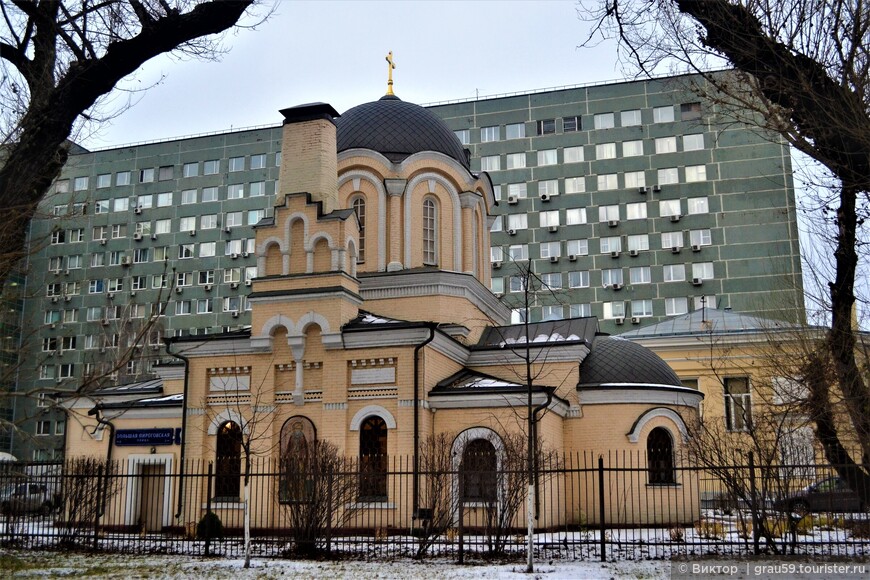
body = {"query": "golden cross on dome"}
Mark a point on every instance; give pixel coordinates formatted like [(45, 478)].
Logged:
[(390, 73)]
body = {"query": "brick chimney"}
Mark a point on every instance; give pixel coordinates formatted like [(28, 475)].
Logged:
[(309, 161)]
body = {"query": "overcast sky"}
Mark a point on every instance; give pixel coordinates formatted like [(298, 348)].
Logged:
[(335, 52)]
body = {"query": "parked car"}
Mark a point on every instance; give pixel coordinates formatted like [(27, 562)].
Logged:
[(28, 498), (829, 495)]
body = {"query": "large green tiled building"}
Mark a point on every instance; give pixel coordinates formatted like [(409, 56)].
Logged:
[(631, 201)]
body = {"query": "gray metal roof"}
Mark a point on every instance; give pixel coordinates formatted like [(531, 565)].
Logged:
[(397, 130), (541, 333), (705, 321), (616, 361)]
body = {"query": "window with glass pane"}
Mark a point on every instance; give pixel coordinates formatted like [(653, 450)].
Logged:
[(575, 184), (572, 154), (575, 216), (496, 254), (190, 170), (607, 181), (209, 194), (703, 270), (663, 114), (611, 244), (605, 151), (669, 207), (641, 308), (578, 279), (164, 199), (698, 205), (629, 118), (548, 218), (123, 178), (121, 204), (638, 242), (550, 249), (518, 252), (672, 240), (614, 310), (490, 163), (604, 121), (674, 272), (690, 111), (580, 310), (693, 142), (546, 126), (146, 175), (552, 281), (488, 134), (577, 247), (516, 160), (635, 211), (464, 136), (700, 237), (608, 213), (571, 124), (666, 145), (518, 190), (639, 275), (515, 131), (237, 164), (496, 285), (518, 315), (430, 232), (211, 167), (635, 179), (611, 276), (695, 173), (517, 284), (738, 403), (676, 306), (552, 312), (632, 148), (547, 157), (549, 187), (518, 221)]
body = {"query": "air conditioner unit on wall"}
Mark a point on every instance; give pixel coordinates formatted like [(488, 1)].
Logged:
[(619, 320), (512, 200), (545, 197)]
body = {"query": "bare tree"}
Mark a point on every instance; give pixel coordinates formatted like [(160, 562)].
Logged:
[(800, 71), (60, 59)]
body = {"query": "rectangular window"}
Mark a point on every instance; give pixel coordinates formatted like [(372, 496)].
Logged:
[(580, 310), (80, 183), (119, 231), (550, 249), (237, 164), (255, 215), (208, 222), (205, 277), (164, 199), (578, 279), (607, 181), (547, 157), (235, 191), (630, 118), (488, 134), (672, 240), (573, 154), (211, 167), (693, 142), (545, 126), (515, 160), (184, 279), (209, 194), (552, 281), (578, 247), (635, 211), (605, 151), (182, 307), (204, 306), (611, 244), (258, 161), (669, 207), (123, 178), (611, 276), (635, 179), (518, 252), (104, 180), (98, 259), (43, 427), (464, 136), (702, 270), (62, 186), (496, 254), (604, 121), (552, 312), (188, 196), (639, 275), (146, 175), (185, 251), (74, 262), (141, 255), (575, 216), (257, 188), (666, 145), (165, 173), (632, 148), (496, 285), (145, 201), (58, 237), (115, 285), (696, 173), (517, 221), (548, 218), (496, 224), (518, 190), (571, 124), (663, 114), (490, 163), (638, 242), (700, 238), (690, 111), (698, 205), (207, 249), (575, 184), (159, 281), (121, 204), (138, 283), (676, 306), (515, 131), (163, 226), (608, 213), (738, 404), (190, 169), (641, 308), (516, 284), (234, 219), (549, 187), (101, 206), (96, 286), (614, 310)]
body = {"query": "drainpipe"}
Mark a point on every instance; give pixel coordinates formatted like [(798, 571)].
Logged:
[(186, 361), (416, 476), (538, 409), (97, 412)]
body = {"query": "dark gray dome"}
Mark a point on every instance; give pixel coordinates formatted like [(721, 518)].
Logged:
[(397, 130), (619, 361)]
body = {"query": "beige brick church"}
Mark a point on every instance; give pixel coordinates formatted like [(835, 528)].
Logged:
[(373, 327)]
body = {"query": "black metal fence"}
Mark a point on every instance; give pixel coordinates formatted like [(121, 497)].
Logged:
[(588, 507)]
